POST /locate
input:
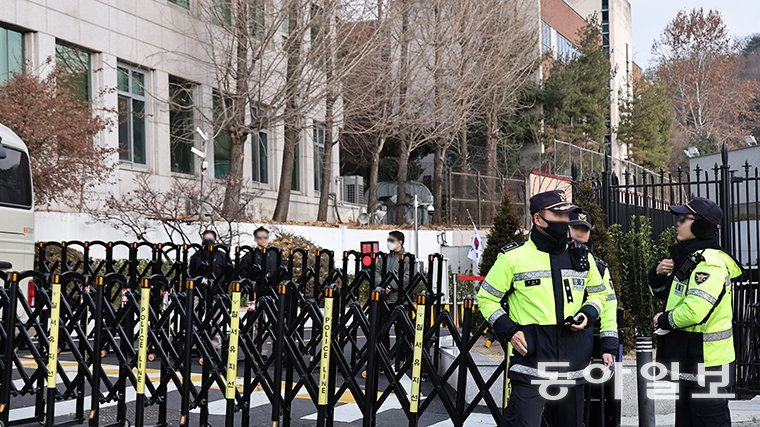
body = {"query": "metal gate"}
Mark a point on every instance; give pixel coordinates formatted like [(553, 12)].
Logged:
[(737, 191), (163, 332)]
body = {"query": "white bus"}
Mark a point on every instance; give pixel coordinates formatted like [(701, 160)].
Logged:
[(16, 204)]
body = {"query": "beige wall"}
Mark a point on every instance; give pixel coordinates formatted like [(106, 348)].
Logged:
[(163, 39)]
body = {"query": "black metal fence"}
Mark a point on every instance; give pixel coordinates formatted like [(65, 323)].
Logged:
[(737, 191), (95, 328)]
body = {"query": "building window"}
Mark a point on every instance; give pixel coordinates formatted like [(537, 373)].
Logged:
[(181, 3), (260, 156), (131, 90), (76, 70), (546, 37), (565, 48), (296, 186), (11, 54), (318, 136), (181, 125), (222, 136), (222, 10)]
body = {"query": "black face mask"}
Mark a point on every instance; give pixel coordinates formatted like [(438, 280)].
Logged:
[(208, 242), (555, 229)]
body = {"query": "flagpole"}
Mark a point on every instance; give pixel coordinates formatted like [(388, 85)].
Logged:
[(471, 220)]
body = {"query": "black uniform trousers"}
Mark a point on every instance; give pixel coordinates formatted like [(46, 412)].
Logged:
[(693, 411), (526, 407)]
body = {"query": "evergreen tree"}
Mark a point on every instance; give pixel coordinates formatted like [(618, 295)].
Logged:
[(507, 228), (576, 94), (646, 121), (601, 241)]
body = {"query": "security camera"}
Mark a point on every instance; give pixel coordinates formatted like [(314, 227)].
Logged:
[(198, 153), (201, 133)]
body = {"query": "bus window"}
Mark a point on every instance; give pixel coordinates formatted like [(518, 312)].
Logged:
[(15, 180)]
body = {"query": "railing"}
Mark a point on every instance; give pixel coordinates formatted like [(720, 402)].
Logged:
[(140, 326)]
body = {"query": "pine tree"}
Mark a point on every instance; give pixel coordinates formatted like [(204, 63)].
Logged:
[(601, 242), (507, 228)]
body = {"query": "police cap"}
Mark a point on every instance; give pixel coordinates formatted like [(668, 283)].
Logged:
[(554, 200), (701, 206), (581, 218)]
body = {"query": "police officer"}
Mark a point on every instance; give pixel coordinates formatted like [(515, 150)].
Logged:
[(696, 327), (581, 225), (542, 289)]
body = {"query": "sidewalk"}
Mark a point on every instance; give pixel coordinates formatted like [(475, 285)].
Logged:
[(744, 413)]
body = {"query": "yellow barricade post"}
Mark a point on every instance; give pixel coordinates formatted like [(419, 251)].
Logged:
[(324, 363), (142, 351), (232, 353), (52, 365), (419, 333)]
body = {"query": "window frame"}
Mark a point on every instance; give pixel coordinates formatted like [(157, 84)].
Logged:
[(189, 88), (256, 163), (77, 50), (546, 37), (7, 56), (319, 145), (220, 129), (132, 97)]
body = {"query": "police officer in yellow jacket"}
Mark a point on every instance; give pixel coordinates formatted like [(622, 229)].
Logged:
[(533, 296), (581, 225), (696, 327)]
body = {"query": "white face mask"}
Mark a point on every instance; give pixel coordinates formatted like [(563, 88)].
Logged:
[(391, 246)]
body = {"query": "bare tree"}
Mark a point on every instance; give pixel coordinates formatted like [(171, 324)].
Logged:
[(441, 62), (269, 62), (146, 209)]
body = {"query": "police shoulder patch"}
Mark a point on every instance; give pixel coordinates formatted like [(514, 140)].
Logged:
[(701, 277), (511, 246), (601, 266)]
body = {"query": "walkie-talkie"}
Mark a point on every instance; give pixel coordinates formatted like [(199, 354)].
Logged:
[(687, 266)]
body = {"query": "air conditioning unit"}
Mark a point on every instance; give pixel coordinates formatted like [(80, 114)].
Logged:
[(353, 189)]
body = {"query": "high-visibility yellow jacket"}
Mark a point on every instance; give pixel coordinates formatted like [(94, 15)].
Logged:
[(535, 290), (608, 330), (698, 314)]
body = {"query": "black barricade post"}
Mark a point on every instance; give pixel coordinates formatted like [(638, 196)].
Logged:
[(96, 355), (142, 351), (370, 385), (232, 354), (644, 359), (9, 323), (419, 333), (325, 386), (52, 366), (184, 418), (462, 369), (282, 293)]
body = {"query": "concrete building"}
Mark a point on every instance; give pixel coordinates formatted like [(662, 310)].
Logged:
[(135, 57), (560, 22)]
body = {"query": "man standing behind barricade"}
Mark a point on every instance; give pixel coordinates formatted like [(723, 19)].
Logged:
[(392, 264), (695, 330), (210, 262), (265, 274), (543, 314)]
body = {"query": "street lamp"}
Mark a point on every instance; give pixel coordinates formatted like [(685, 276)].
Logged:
[(201, 154)]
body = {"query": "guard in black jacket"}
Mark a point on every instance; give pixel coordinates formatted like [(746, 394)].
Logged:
[(210, 262), (260, 265)]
